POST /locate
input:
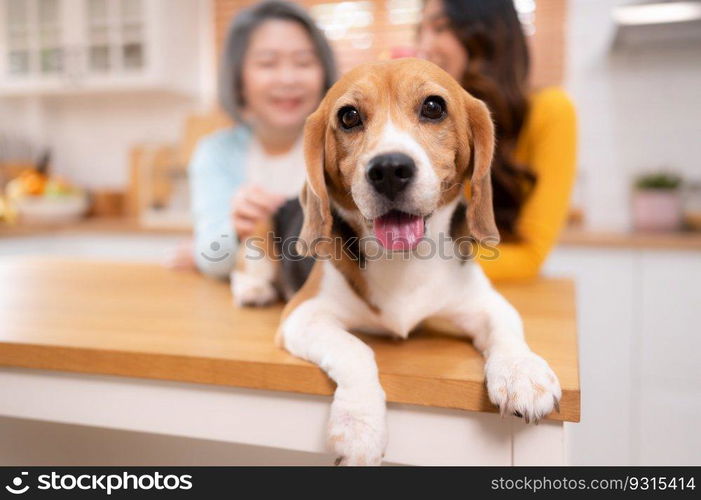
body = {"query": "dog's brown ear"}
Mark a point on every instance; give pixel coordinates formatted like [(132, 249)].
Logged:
[(315, 197), (480, 211)]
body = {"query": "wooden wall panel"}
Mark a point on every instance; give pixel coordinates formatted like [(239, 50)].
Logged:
[(547, 42)]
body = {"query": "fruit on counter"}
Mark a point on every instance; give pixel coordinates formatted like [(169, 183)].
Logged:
[(56, 186), (33, 197), (7, 212), (28, 183), (33, 183)]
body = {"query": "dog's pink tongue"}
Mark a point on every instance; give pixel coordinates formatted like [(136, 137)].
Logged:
[(399, 230)]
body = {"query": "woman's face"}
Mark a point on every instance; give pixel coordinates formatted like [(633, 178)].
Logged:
[(282, 76), (438, 43)]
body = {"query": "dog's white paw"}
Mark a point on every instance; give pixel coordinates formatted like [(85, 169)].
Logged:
[(358, 432), (251, 290), (522, 384)]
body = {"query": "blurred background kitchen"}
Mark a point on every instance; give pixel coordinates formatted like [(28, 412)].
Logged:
[(103, 101)]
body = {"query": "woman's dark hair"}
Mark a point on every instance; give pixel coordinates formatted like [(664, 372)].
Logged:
[(497, 73), (239, 36)]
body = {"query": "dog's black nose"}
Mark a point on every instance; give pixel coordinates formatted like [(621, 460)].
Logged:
[(390, 173)]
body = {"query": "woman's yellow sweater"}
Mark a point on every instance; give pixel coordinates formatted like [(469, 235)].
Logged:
[(547, 144)]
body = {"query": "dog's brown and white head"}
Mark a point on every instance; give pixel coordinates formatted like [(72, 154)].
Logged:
[(393, 142)]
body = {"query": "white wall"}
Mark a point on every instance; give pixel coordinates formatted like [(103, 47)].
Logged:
[(638, 110), (22, 128), (91, 136)]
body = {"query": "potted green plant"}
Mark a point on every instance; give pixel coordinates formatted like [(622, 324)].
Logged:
[(657, 202)]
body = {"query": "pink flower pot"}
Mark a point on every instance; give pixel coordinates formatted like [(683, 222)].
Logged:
[(657, 209)]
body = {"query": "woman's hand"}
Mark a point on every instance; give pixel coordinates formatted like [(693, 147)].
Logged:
[(250, 205), (182, 257)]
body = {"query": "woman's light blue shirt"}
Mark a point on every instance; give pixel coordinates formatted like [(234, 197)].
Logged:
[(217, 169)]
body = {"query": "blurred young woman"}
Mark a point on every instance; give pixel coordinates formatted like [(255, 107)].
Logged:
[(482, 45), (276, 67)]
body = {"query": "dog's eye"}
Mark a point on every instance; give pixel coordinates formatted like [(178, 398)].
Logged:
[(349, 117), (433, 108)]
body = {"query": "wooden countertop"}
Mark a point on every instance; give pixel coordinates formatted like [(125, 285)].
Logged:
[(110, 225), (676, 240), (679, 240), (140, 320)]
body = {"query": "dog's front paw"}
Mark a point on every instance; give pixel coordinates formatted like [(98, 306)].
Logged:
[(358, 432), (251, 290), (522, 384)]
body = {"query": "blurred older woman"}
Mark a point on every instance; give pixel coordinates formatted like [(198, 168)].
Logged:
[(276, 67)]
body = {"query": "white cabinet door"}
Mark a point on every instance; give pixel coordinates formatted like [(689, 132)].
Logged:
[(115, 39), (34, 41), (668, 399), (639, 326), (604, 280), (69, 46), (49, 43), (17, 39)]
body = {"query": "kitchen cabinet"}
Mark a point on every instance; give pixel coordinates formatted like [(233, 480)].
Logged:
[(59, 47), (667, 401), (639, 321)]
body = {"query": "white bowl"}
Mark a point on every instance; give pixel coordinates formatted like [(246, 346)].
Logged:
[(50, 209)]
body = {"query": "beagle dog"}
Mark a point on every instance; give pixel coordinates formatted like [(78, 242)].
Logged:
[(380, 222)]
